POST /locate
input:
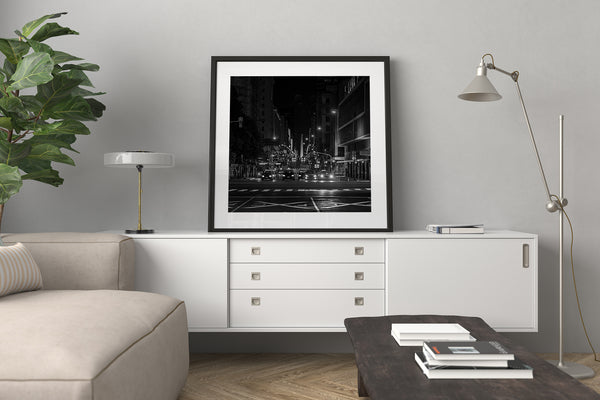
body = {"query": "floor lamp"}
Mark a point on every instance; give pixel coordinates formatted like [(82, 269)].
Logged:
[(139, 160), (481, 89)]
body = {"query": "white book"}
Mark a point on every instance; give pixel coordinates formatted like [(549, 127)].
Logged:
[(433, 363), (464, 228), (515, 370), (464, 350), (419, 342), (431, 331)]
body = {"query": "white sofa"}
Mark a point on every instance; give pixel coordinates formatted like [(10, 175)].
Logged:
[(87, 334)]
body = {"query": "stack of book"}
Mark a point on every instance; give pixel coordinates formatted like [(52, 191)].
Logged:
[(416, 334), (470, 360), (464, 228)]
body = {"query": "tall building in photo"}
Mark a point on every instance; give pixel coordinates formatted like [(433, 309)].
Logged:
[(256, 97), (353, 138), (327, 91)]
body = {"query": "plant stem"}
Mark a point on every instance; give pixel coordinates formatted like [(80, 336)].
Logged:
[(21, 136), (1, 212)]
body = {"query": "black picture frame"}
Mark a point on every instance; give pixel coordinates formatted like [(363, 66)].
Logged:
[(300, 144)]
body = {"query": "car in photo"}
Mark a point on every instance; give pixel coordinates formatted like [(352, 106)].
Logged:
[(288, 174), (324, 175), (311, 176), (267, 175)]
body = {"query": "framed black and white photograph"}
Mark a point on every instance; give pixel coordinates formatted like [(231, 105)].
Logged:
[(300, 144)]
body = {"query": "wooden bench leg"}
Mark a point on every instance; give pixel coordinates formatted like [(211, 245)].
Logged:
[(362, 390)]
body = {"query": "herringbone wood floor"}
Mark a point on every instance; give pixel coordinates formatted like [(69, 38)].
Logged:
[(292, 376)]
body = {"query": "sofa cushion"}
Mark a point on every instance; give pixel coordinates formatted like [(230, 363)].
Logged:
[(18, 270), (77, 335)]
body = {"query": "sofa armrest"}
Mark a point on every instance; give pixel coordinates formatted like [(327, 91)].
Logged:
[(81, 260)]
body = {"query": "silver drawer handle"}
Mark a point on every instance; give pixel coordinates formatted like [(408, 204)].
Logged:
[(255, 276), (359, 251), (359, 276), (255, 301), (359, 301), (525, 256), (255, 251)]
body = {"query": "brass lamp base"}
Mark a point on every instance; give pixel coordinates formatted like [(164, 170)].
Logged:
[(139, 231)]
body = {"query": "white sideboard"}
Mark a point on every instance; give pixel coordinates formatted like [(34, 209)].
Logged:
[(310, 282)]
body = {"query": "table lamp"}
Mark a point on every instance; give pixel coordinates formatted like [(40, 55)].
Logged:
[(139, 160), (481, 89)]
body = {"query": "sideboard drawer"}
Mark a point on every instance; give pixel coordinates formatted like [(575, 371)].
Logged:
[(301, 308), (306, 250), (307, 276)]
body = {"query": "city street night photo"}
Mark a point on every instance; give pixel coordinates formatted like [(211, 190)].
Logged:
[(299, 144)]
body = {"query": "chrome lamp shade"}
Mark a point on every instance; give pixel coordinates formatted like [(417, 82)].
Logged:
[(148, 159), (139, 160), (480, 88)]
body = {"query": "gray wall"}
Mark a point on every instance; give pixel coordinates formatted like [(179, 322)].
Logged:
[(452, 160)]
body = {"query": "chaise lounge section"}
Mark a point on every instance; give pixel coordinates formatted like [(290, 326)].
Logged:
[(87, 335)]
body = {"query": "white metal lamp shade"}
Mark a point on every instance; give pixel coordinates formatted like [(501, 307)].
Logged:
[(147, 159), (480, 88)]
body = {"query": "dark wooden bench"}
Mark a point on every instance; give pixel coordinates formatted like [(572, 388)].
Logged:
[(388, 371)]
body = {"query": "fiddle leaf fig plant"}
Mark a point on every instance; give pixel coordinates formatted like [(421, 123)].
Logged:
[(44, 101)]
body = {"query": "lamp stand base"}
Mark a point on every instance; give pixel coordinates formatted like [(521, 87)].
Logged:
[(575, 370), (142, 231)]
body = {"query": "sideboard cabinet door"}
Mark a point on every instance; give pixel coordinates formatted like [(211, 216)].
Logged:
[(495, 279), (193, 270)]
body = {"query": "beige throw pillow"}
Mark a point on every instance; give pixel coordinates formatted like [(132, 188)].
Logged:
[(18, 270)]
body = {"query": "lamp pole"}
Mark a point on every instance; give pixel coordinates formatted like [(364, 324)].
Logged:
[(560, 362), (139, 169)]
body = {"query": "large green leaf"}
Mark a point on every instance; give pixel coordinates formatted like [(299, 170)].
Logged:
[(61, 141), (79, 74), (13, 108), (30, 26), (85, 93), (50, 30), (34, 69), (62, 57), (48, 176), (31, 103), (82, 67), (12, 104), (73, 108), (66, 127), (97, 107), (5, 122), (50, 153), (57, 90), (9, 68), (12, 153), (40, 47), (32, 165), (10, 182), (13, 49)]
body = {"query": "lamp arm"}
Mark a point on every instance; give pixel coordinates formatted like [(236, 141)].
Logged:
[(551, 206), (514, 75)]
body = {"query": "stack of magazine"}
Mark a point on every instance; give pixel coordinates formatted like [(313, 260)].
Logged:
[(470, 360), (416, 334)]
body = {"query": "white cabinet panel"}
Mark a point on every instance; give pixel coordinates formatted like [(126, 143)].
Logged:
[(302, 308), (473, 277), (193, 270), (306, 276), (307, 250)]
